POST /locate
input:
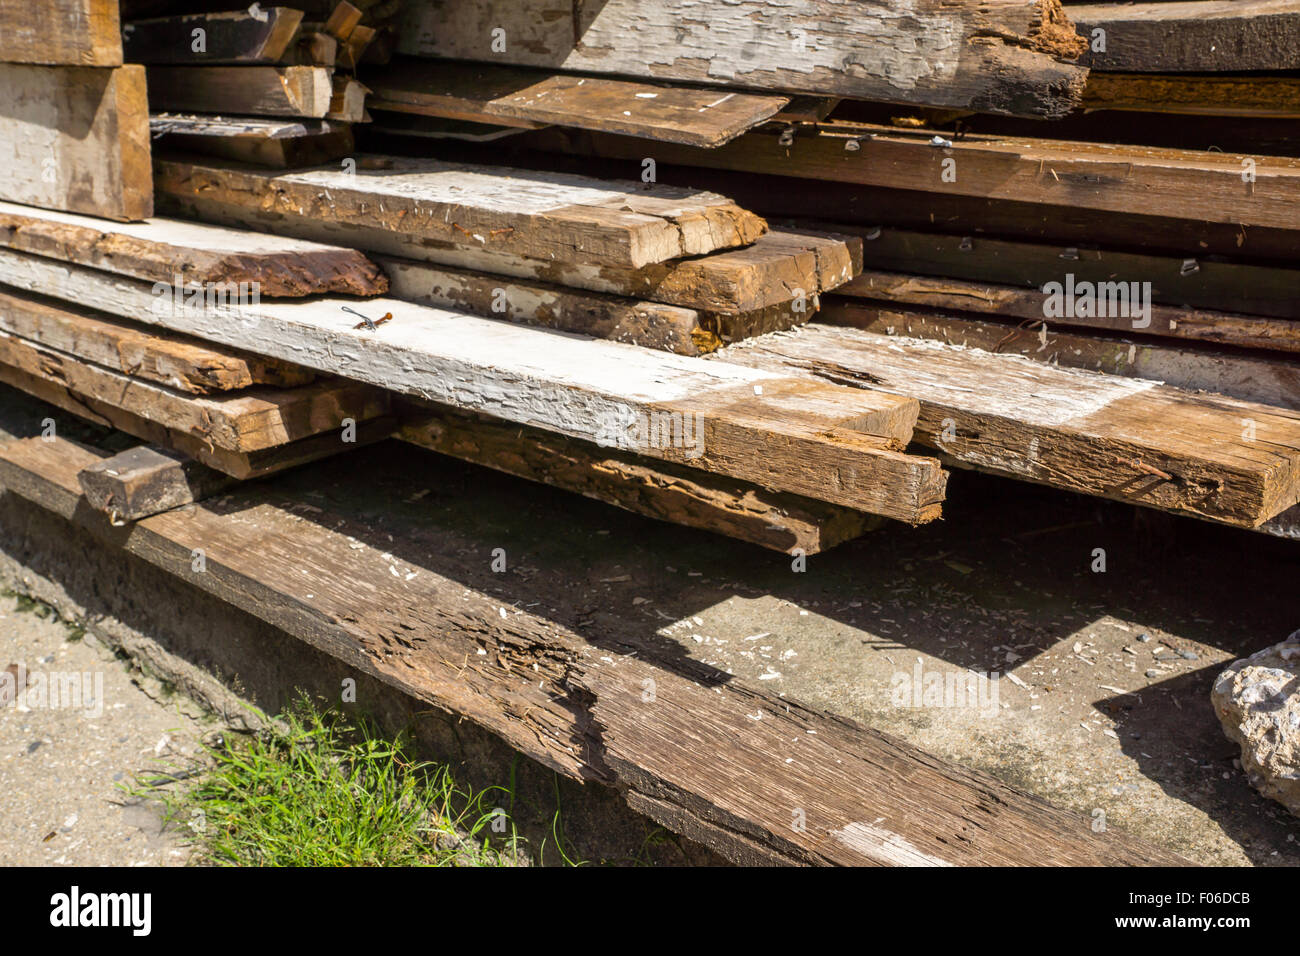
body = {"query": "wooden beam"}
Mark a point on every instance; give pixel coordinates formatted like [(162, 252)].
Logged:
[(1194, 36), (241, 465), (1275, 97), (348, 100), (251, 420), (146, 480), (257, 35), (313, 47), (492, 208), (343, 20), (1130, 440), (60, 33), (822, 441), (78, 140), (354, 48), (656, 490), (1220, 328), (178, 362), (1254, 377), (276, 143), (507, 95), (248, 90), (697, 761), (992, 57), (1186, 184), (772, 273), (162, 249)]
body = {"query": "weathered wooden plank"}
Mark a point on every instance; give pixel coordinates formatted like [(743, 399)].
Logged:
[(176, 361), (160, 250), (544, 215), (257, 35), (60, 32), (1253, 377), (1137, 313), (313, 47), (503, 94), (147, 480), (1137, 441), (774, 272), (241, 465), (251, 420), (657, 490), (348, 100), (248, 90), (76, 139), (277, 143), (994, 57), (1251, 96), (698, 760), (1181, 183), (1194, 36), (822, 441)]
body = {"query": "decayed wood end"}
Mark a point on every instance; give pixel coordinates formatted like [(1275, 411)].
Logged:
[(493, 94), (695, 758), (1131, 440), (657, 490), (250, 420), (177, 361), (251, 90), (1201, 325), (61, 32), (551, 216), (159, 250), (77, 139), (1000, 56), (146, 480)]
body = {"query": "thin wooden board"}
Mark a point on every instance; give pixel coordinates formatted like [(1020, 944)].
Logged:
[(252, 420), (258, 35), (76, 139), (1194, 36), (175, 361), (160, 250), (504, 94), (275, 143), (243, 90), (995, 57), (60, 32), (821, 441), (656, 490), (492, 208), (1186, 184), (1276, 97), (699, 762), (1130, 440)]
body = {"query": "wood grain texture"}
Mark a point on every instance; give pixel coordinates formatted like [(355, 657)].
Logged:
[(1193, 36), (238, 36), (834, 444), (1250, 96), (146, 480), (1184, 184), (60, 32), (176, 361), (656, 490), (770, 273), (247, 90), (998, 56), (76, 139), (162, 249), (694, 757), (503, 94), (494, 208), (1220, 328), (251, 420), (276, 143), (1142, 442)]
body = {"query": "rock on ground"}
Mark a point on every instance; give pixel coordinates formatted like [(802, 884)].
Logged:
[(1258, 702)]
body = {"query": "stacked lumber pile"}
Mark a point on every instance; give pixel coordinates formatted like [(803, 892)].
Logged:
[(759, 269)]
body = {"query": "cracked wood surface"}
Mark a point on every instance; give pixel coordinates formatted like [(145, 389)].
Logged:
[(700, 752)]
